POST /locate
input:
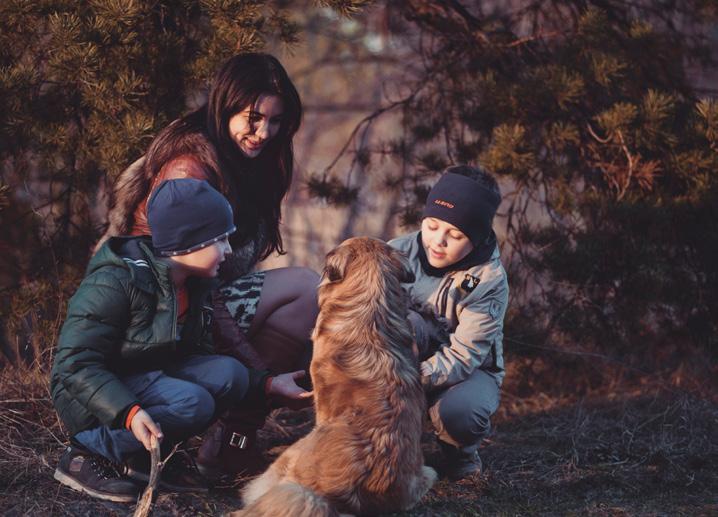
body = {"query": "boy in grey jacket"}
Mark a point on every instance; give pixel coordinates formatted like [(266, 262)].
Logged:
[(460, 295)]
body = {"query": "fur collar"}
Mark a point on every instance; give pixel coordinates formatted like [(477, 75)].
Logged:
[(133, 184)]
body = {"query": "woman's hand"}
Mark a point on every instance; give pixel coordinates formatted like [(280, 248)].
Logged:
[(285, 385), (143, 427)]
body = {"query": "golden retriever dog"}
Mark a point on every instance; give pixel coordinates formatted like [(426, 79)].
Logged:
[(363, 456)]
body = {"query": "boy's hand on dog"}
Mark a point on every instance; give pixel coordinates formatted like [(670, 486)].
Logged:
[(143, 427), (284, 391)]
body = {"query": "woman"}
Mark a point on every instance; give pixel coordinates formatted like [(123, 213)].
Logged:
[(240, 141)]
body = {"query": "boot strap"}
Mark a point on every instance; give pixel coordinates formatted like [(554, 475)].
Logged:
[(238, 441)]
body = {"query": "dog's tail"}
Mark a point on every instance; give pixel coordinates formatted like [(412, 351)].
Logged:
[(289, 499)]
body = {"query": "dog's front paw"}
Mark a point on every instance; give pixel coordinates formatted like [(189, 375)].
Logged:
[(430, 476)]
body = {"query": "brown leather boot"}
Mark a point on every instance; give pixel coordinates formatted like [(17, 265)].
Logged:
[(228, 446)]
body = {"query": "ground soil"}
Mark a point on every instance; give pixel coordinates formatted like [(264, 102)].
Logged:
[(624, 445)]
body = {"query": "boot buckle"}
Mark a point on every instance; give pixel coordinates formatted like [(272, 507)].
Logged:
[(238, 440)]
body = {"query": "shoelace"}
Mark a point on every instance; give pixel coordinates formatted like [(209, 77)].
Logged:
[(103, 467)]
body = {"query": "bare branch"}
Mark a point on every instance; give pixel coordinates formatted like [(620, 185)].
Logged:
[(595, 136), (144, 505), (631, 165), (366, 120)]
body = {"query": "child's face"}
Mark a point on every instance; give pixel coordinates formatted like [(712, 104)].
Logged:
[(444, 243), (205, 262)]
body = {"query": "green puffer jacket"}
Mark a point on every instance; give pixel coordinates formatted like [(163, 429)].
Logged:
[(122, 320)]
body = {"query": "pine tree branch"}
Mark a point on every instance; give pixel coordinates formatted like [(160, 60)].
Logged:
[(435, 14), (528, 39)]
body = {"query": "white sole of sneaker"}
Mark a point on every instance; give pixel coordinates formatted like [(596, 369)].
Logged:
[(75, 485)]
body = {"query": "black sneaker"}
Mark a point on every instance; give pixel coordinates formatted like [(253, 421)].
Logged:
[(179, 474), (459, 464), (95, 475)]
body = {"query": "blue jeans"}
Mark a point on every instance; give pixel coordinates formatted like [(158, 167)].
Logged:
[(183, 398), (461, 414)]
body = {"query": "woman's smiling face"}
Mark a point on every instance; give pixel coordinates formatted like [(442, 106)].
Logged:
[(254, 126)]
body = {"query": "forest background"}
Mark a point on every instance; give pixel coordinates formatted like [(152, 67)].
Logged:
[(598, 117)]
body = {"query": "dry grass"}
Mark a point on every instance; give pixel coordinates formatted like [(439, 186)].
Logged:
[(627, 445)]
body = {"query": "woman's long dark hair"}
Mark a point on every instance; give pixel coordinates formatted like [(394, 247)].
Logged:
[(255, 187)]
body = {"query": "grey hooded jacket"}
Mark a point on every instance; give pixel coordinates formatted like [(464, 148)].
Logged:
[(473, 303)]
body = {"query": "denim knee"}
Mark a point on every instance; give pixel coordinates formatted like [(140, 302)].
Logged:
[(233, 377), (467, 423), (193, 408)]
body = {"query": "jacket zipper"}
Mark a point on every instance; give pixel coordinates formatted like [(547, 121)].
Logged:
[(443, 295), (174, 312)]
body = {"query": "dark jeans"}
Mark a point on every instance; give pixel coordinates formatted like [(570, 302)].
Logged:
[(183, 398), (462, 413)]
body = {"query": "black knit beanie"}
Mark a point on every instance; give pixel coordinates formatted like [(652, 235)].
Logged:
[(186, 215), (466, 204)]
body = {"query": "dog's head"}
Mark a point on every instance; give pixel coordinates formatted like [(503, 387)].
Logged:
[(361, 298), (363, 257)]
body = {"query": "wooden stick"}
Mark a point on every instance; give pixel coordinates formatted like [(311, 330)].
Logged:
[(144, 505)]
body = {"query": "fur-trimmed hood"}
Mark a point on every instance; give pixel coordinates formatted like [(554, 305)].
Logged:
[(185, 138), (134, 183)]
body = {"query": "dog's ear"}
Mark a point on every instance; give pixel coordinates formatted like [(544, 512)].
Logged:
[(335, 265), (332, 273)]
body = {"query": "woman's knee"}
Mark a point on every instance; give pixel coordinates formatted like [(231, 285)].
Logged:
[(290, 282), (307, 276), (297, 312), (288, 299), (306, 282)]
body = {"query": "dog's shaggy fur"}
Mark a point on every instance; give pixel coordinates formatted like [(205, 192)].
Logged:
[(364, 455)]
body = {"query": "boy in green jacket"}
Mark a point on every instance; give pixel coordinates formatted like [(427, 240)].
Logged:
[(134, 357), (462, 291)]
